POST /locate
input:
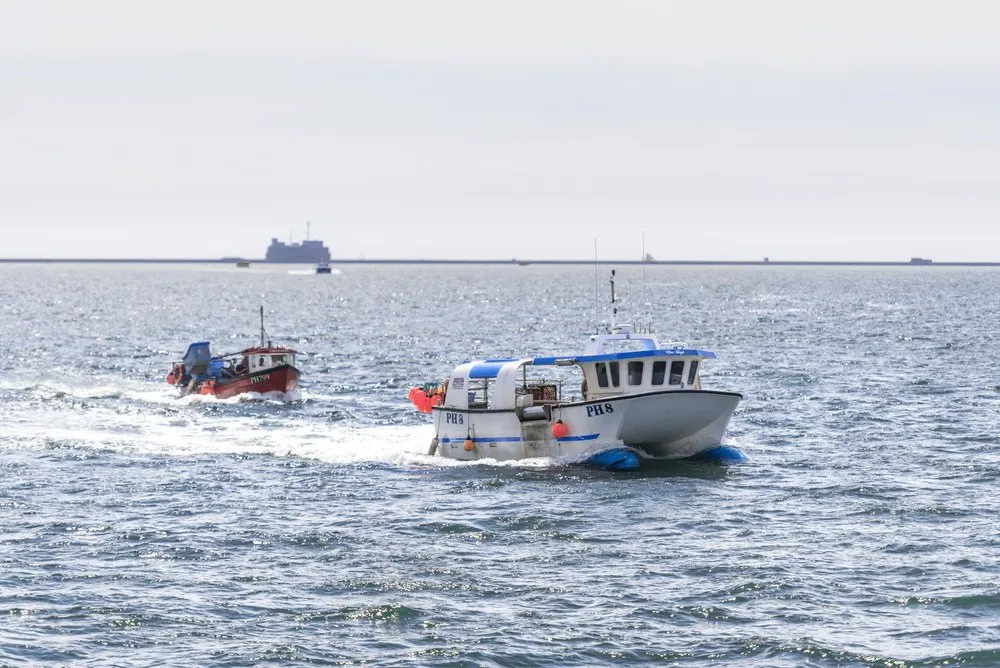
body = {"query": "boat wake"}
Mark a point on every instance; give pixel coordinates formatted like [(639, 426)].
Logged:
[(344, 445), (143, 392), (295, 395), (142, 419), (310, 272)]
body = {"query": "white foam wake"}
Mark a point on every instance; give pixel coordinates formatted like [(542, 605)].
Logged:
[(154, 393), (395, 445), (146, 418)]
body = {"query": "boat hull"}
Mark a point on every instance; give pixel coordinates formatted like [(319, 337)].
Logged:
[(279, 379), (656, 425)]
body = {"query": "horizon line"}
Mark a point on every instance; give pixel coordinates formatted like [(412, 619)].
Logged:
[(915, 262)]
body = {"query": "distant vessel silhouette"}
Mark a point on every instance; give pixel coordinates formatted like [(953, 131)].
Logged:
[(310, 251)]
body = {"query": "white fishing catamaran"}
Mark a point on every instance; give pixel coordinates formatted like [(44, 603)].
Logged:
[(637, 400)]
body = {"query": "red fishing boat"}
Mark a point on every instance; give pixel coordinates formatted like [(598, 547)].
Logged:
[(264, 368)]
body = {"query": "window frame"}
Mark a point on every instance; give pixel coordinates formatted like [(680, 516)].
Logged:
[(601, 372), (662, 373), (630, 372), (693, 372), (678, 375)]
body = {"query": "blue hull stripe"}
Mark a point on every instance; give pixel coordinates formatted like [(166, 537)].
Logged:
[(515, 439)]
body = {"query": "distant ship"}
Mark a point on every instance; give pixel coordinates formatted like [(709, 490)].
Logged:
[(310, 251)]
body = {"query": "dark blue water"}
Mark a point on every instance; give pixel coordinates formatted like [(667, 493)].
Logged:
[(138, 529)]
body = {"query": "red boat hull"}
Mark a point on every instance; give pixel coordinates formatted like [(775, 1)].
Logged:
[(278, 379)]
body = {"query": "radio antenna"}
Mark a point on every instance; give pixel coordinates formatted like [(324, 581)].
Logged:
[(263, 334), (645, 312), (597, 293), (614, 306)]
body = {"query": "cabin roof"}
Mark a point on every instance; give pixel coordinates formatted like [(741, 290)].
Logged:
[(626, 355), (488, 368), (491, 368), (273, 349)]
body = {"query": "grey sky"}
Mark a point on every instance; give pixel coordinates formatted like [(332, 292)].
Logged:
[(848, 130)]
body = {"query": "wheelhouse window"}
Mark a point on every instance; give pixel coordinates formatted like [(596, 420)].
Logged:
[(659, 372), (635, 373), (693, 372), (615, 374), (260, 362), (277, 359), (479, 393), (602, 374), (676, 372)]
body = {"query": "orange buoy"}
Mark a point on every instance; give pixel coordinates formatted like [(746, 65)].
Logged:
[(469, 444), (559, 429)]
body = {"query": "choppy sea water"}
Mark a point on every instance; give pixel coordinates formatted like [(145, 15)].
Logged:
[(139, 529)]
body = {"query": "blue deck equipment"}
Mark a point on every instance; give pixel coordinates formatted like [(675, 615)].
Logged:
[(215, 368), (197, 359)]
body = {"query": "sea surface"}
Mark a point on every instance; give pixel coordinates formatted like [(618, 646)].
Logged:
[(142, 529)]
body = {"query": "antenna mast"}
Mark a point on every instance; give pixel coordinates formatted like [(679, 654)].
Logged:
[(614, 306), (597, 292), (307, 230), (263, 334), (645, 313)]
